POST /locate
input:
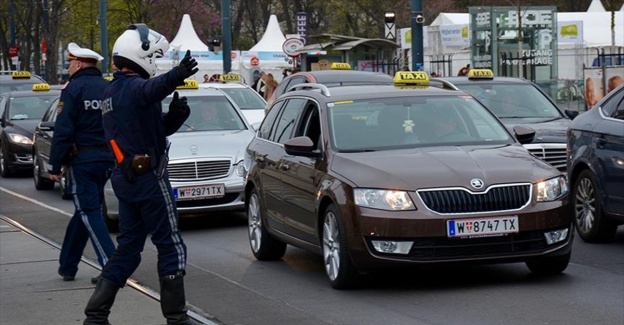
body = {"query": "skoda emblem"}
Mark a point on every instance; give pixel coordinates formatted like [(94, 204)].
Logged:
[(476, 183), (193, 149)]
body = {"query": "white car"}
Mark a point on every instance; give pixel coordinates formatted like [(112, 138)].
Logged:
[(248, 100), (206, 168)]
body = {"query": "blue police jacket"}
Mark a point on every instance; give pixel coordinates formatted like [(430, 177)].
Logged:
[(79, 121), (133, 115)]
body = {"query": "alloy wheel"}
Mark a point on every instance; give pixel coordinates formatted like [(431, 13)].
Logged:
[(254, 223), (585, 205), (331, 246)]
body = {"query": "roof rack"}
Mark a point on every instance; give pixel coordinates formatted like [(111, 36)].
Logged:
[(445, 84), (324, 90)]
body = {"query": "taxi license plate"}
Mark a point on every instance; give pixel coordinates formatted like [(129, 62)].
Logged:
[(482, 227), (199, 192)]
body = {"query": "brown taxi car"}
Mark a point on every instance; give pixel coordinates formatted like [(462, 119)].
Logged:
[(377, 176)]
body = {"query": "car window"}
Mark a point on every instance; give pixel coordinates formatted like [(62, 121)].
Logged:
[(614, 106), (296, 81), (50, 114), (264, 132), (287, 120), (390, 123), (29, 108), (311, 124), (513, 100), (210, 113), (245, 98)]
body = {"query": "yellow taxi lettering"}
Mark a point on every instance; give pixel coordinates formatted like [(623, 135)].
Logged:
[(480, 74), (230, 77), (41, 87), (411, 78), (189, 84), (340, 66), (20, 74)]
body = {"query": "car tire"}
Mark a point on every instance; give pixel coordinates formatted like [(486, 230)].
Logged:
[(263, 246), (338, 266), (549, 265), (64, 185), (589, 220), (111, 223), (41, 183), (5, 169)]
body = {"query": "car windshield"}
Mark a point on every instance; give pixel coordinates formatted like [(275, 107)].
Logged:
[(210, 113), (29, 108), (245, 98), (11, 85), (406, 122), (513, 100)]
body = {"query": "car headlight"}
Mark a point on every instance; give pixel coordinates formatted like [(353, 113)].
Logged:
[(19, 139), (551, 189), (240, 168), (383, 199)]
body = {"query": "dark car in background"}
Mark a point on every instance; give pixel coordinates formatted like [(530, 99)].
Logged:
[(18, 80), (381, 176), (517, 101), (596, 168), (340, 74), (42, 144), (20, 112)]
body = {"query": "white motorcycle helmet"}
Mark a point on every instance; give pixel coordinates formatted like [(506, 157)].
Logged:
[(138, 48)]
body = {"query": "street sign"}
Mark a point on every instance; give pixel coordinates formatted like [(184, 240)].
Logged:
[(291, 46), (254, 61), (13, 51)]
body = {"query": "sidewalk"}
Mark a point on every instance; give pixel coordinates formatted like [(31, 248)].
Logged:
[(33, 293)]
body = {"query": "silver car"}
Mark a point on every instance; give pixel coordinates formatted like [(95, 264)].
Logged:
[(248, 100), (205, 167)]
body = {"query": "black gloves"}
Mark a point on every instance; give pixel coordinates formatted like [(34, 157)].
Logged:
[(179, 106), (187, 67)]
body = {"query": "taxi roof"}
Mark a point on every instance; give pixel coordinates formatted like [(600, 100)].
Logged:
[(30, 93), (466, 80), (353, 92)]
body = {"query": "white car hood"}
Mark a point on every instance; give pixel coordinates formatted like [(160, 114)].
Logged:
[(253, 115), (209, 144)]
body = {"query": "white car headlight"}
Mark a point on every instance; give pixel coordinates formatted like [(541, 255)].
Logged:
[(383, 199), (19, 139), (240, 168), (551, 189)]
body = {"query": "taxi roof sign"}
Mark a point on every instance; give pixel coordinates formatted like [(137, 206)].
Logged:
[(20, 74), (230, 77), (41, 87), (189, 84), (480, 74), (419, 78), (340, 66)]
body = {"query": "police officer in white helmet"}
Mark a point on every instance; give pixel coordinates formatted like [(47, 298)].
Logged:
[(136, 129)]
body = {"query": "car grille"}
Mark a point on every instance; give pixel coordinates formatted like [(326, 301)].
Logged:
[(499, 198), (198, 170), (449, 248), (552, 153)]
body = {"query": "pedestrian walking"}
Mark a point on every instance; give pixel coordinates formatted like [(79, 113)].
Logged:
[(80, 145), (259, 82), (270, 86), (136, 129)]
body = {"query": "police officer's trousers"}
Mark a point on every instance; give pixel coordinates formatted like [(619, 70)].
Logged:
[(146, 207), (86, 183)]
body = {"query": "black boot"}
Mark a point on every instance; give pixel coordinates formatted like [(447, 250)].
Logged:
[(99, 305), (173, 301)]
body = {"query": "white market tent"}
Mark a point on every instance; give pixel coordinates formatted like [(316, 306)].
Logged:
[(268, 51), (596, 6), (187, 39)]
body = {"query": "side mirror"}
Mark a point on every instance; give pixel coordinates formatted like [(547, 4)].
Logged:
[(524, 134), (301, 146), (46, 126), (571, 113)]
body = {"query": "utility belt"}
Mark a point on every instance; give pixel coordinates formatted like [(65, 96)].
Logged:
[(138, 164)]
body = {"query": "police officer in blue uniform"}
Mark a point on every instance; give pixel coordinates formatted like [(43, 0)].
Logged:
[(137, 129), (79, 144)]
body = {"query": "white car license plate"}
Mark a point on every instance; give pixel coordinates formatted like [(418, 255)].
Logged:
[(482, 226), (199, 192)]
